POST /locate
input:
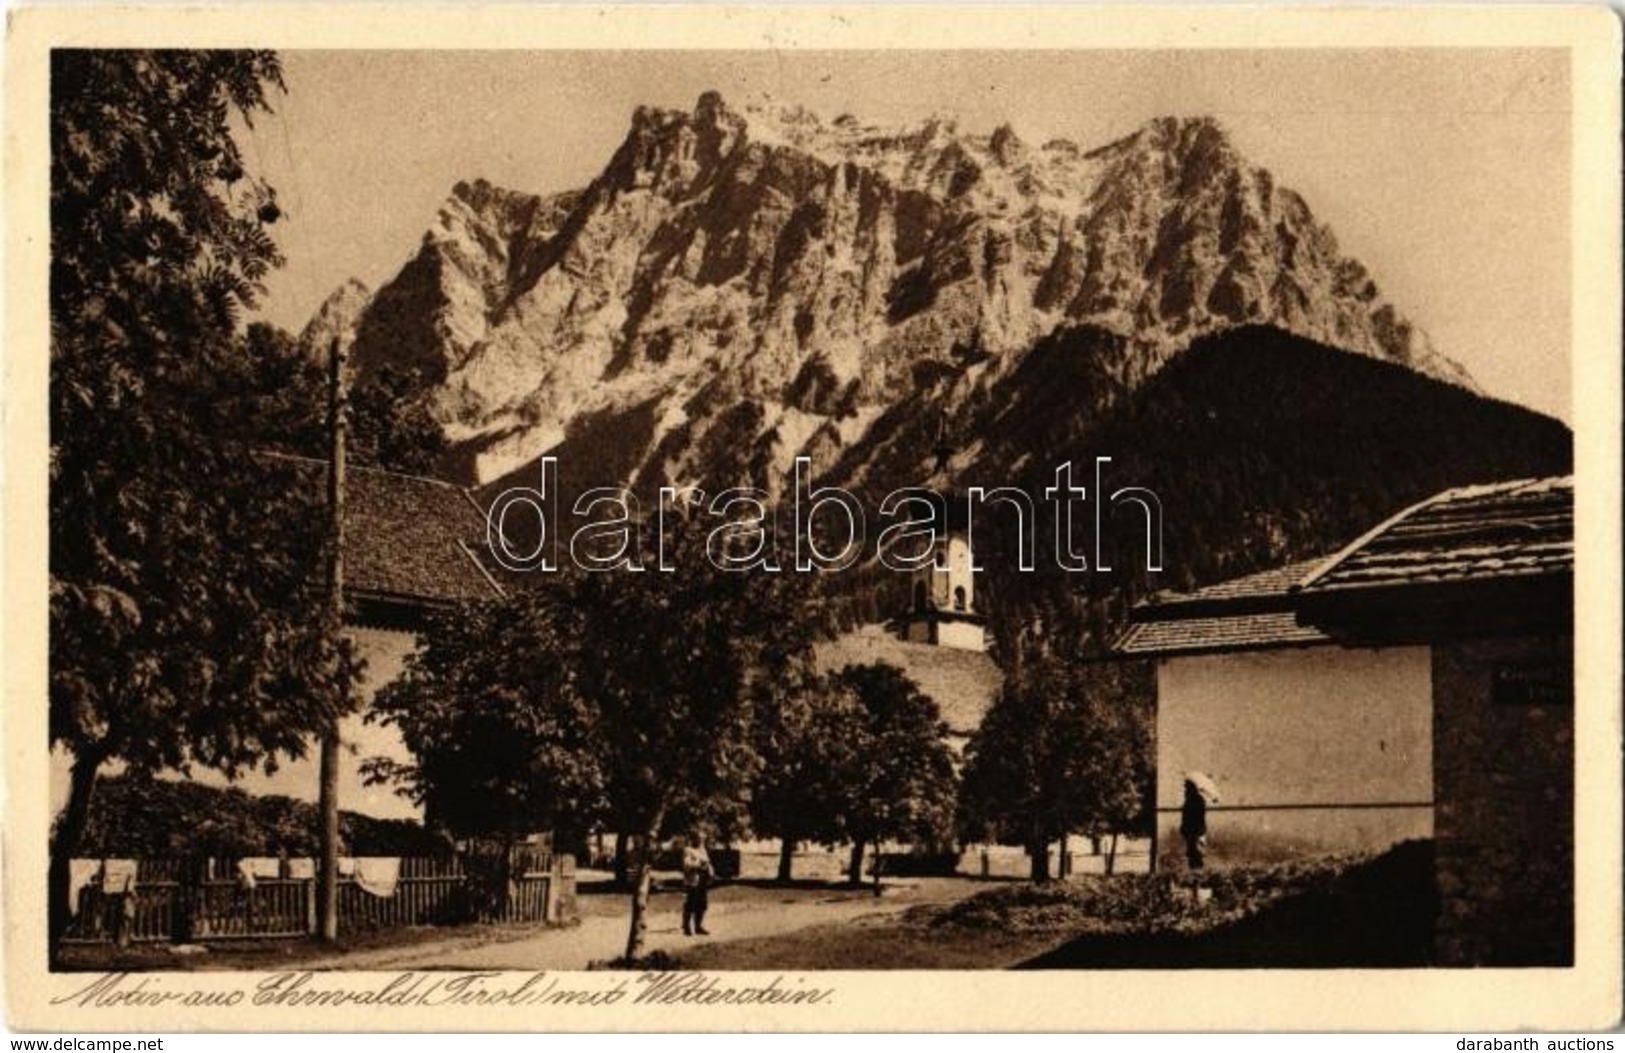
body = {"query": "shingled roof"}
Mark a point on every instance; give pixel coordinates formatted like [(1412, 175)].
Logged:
[(1246, 613), (414, 538), (1474, 533), (1242, 632), (408, 539), (1521, 530), (1264, 590), (962, 683)]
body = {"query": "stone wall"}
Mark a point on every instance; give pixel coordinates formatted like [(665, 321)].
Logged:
[(1504, 794)]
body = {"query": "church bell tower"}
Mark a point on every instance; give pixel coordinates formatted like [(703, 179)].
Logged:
[(942, 595)]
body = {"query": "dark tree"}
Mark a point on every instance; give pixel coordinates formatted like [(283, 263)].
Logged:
[(502, 746), (184, 570), (1065, 748), (629, 695), (812, 766), (286, 411), (391, 426), (904, 785), (676, 665)]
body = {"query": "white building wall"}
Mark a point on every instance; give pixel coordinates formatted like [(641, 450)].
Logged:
[(385, 652), (1313, 749)]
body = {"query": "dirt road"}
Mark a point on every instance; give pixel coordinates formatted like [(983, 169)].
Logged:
[(737, 912)]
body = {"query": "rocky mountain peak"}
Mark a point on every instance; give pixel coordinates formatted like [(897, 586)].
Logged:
[(1006, 146), (336, 318), (740, 285)]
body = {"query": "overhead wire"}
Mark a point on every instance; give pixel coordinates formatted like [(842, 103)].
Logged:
[(301, 255)]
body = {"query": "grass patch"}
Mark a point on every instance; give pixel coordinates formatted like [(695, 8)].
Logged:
[(1336, 912), (888, 944), (1143, 903)]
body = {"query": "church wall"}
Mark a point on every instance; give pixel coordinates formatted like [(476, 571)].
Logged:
[(968, 636)]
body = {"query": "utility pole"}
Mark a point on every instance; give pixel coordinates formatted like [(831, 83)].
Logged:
[(327, 904)]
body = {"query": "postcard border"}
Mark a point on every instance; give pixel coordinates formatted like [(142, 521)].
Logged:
[(1586, 997)]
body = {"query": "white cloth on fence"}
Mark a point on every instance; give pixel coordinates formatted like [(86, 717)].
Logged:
[(251, 870), (118, 876), (302, 869), (81, 872), (378, 875)]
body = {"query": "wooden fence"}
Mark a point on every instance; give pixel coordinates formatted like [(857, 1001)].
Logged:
[(208, 901)]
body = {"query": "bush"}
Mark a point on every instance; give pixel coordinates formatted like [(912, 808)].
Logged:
[(156, 818), (1149, 903)]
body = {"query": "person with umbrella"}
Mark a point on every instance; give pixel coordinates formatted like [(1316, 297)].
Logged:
[(1199, 790)]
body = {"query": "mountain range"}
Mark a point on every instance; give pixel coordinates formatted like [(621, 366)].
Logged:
[(739, 287), (735, 289)]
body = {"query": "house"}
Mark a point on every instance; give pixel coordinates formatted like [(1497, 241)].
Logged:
[(410, 549), (1315, 747), (1484, 577), (1416, 683)]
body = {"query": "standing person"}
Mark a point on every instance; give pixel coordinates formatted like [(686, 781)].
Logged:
[(696, 886), (1193, 825)]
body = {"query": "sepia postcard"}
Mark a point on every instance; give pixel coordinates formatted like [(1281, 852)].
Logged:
[(827, 518)]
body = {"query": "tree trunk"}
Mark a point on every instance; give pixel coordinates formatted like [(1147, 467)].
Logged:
[(620, 859), (854, 871), (70, 831), (1111, 856), (643, 868), (1038, 853), (877, 869), (787, 855)]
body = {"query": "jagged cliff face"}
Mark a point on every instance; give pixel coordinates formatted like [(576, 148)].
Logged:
[(337, 318), (735, 289)]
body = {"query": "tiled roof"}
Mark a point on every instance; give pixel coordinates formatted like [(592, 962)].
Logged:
[(1474, 533), (1242, 632), (1245, 613), (408, 538), (962, 683), (1265, 585), (413, 537)]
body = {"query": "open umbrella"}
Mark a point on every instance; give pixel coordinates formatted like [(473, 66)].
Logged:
[(1204, 785)]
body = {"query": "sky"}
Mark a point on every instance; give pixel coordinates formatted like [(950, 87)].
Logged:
[(1445, 171)]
